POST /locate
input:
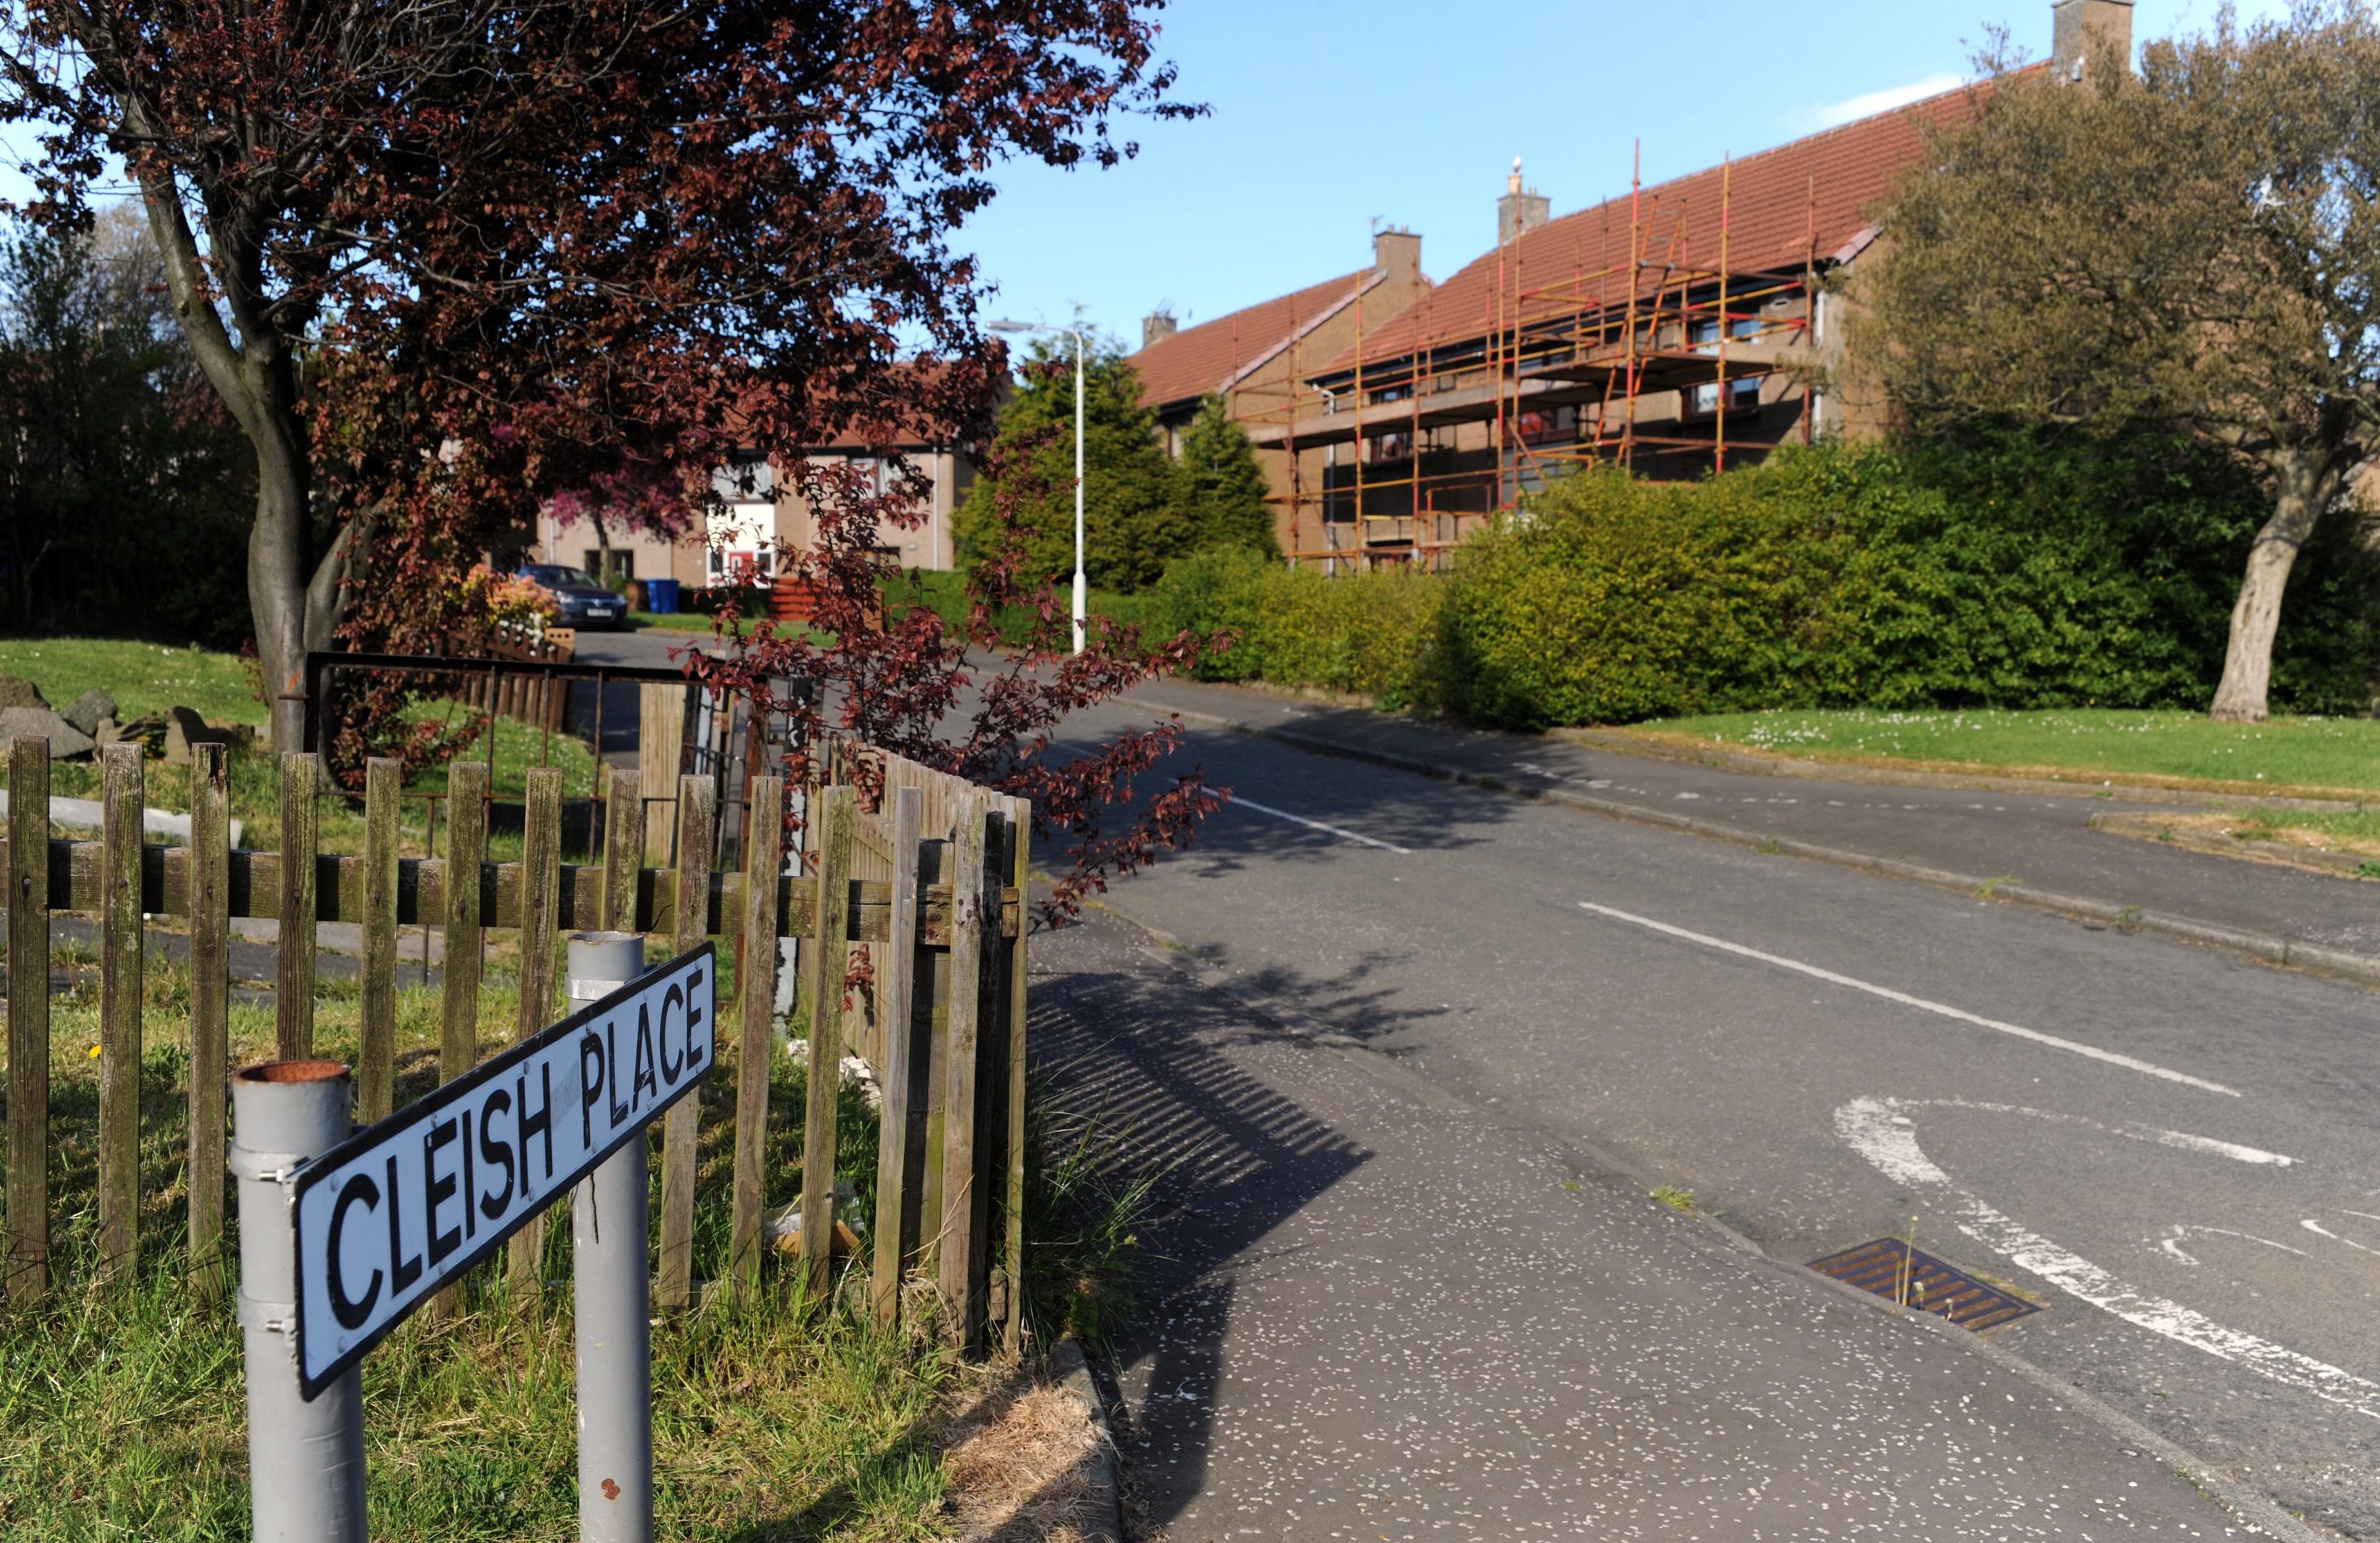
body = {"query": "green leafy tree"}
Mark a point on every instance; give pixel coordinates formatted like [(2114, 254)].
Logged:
[(2188, 250), (1221, 488), (1133, 524)]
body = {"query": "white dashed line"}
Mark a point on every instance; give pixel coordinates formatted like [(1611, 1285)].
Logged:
[(1240, 803), (1939, 1009)]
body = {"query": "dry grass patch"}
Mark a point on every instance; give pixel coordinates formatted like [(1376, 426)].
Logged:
[(1022, 1455)]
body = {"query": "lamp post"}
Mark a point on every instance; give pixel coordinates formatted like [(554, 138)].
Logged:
[(1082, 585)]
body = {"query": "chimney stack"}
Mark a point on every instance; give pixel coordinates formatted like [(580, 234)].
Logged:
[(1518, 212), (2091, 39), (1397, 252), (1156, 325)]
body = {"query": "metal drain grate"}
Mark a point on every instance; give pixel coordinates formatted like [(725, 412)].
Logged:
[(1932, 1286)]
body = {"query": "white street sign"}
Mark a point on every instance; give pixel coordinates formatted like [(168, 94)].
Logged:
[(392, 1214)]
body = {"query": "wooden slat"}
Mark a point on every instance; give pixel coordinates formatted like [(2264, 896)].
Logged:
[(119, 1015), (764, 841), (661, 748), (624, 850), (458, 909), (376, 1034), (896, 978), (539, 910), (1020, 876), (931, 1053), (697, 805), (837, 809), (210, 913), (293, 1022), (28, 1020), (957, 1251)]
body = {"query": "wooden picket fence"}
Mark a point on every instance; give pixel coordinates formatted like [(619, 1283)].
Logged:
[(931, 886)]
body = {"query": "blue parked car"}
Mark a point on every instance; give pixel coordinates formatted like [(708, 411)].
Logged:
[(580, 596)]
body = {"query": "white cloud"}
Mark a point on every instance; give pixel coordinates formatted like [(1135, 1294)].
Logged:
[(1809, 120)]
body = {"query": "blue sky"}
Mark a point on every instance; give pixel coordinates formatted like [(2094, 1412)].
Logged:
[(1328, 114)]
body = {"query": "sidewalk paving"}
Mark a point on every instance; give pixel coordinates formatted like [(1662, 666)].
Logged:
[(2043, 841), (1372, 1311)]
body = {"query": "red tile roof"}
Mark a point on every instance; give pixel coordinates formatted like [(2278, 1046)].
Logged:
[(1213, 355), (1801, 202)]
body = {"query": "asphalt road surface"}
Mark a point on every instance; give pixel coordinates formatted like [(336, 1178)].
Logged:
[(2172, 1148)]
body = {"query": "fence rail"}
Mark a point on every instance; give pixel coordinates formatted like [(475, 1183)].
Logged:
[(930, 889)]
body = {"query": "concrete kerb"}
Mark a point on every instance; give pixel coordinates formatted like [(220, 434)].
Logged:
[(2271, 948), (1073, 1376), (2257, 1512)]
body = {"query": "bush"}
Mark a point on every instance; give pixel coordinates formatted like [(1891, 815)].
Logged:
[(2008, 569), (1374, 633)]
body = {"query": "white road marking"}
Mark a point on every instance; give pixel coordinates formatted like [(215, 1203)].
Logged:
[(2183, 1140), (1939, 1009), (1868, 1126), (1238, 802), (2172, 1242), (2317, 1228)]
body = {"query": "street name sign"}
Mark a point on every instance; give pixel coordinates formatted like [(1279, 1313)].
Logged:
[(387, 1217)]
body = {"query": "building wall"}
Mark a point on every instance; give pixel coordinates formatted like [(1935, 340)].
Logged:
[(927, 544)]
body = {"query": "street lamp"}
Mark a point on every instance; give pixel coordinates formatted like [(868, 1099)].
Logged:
[(1082, 587)]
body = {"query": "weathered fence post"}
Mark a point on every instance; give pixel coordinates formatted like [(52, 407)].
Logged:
[(210, 913), (610, 1279), (29, 1017), (293, 1004), (897, 969), (541, 902), (376, 1038), (624, 849), (1020, 837), (660, 746), (835, 810), (764, 846), (119, 1013), (458, 1034), (956, 1253), (305, 1460), (681, 1131)]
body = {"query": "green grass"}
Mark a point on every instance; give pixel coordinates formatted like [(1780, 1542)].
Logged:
[(672, 621), (2334, 755), (142, 677), (122, 1414)]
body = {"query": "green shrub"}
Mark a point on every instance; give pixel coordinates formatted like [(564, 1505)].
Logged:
[(1373, 634), (2013, 571)]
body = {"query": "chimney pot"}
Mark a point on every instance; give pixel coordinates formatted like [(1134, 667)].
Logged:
[(1519, 212)]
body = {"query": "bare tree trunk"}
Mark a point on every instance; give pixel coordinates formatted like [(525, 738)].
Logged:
[(2306, 485)]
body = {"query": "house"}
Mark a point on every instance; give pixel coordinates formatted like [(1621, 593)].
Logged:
[(755, 516), (1256, 359), (1669, 330)]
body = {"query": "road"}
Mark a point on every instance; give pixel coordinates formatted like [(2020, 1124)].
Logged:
[(2171, 1146)]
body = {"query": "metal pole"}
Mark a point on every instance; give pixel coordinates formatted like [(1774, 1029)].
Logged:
[(612, 1279), (305, 1460), (1082, 588)]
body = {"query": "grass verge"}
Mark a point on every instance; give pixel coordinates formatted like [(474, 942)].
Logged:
[(2310, 757), (142, 677)]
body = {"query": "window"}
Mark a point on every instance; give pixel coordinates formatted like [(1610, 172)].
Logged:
[(1702, 401), (747, 476), (623, 562)]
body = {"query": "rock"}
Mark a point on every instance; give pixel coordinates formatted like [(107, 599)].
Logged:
[(185, 728), (66, 742), (16, 691), (89, 710)]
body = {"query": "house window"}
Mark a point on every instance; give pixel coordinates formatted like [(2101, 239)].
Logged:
[(747, 476), (622, 564), (1702, 401)]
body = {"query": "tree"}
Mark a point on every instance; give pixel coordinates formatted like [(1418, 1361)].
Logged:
[(443, 259), (1222, 490), (2193, 250), (1132, 522), (121, 478)]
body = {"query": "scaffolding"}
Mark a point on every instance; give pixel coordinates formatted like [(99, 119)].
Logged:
[(1395, 460)]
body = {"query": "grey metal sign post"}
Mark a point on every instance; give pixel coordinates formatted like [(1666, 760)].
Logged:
[(613, 1284), (377, 1222)]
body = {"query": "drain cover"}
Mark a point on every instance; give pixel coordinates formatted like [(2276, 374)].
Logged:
[(1928, 1286)]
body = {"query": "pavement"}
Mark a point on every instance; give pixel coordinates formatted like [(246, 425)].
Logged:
[(1381, 1310), (1386, 1299)]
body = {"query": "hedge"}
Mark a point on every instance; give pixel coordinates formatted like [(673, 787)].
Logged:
[(2010, 570)]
